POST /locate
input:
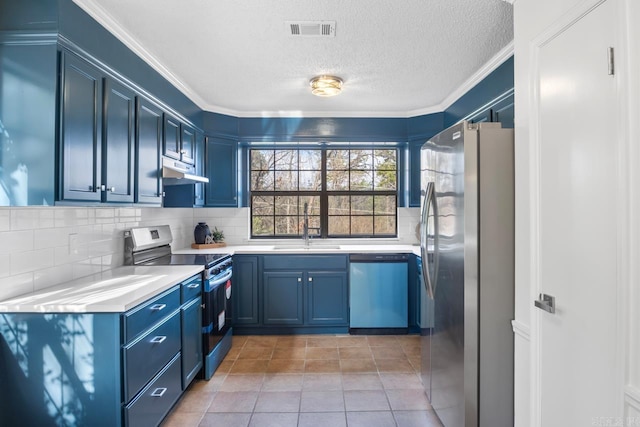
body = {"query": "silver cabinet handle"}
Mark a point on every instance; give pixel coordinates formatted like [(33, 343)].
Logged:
[(299, 279), (183, 151), (546, 303), (159, 392), (112, 189), (193, 285), (310, 279), (157, 307), (159, 339), (103, 187)]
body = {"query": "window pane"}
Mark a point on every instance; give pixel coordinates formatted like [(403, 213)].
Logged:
[(262, 205), (311, 180), (385, 225), (361, 205), (262, 159), (313, 205), (286, 205), (286, 180), (361, 180), (262, 181), (384, 159), (339, 225), (362, 225), (337, 159), (286, 160), (339, 205), (337, 180), (262, 225), (311, 160), (361, 159), (385, 180), (385, 205), (287, 225), (314, 226)]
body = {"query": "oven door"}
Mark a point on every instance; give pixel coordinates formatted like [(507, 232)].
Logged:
[(216, 315)]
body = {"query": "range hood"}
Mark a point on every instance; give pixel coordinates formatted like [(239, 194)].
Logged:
[(175, 172)]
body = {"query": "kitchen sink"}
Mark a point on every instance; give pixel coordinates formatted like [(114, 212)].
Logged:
[(304, 248)]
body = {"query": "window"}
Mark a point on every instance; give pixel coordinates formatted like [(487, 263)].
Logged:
[(346, 192)]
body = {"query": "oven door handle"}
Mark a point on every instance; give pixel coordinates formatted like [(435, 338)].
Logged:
[(221, 279)]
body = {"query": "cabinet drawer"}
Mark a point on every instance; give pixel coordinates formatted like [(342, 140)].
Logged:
[(145, 315), (305, 262), (147, 355), (191, 288), (155, 401)]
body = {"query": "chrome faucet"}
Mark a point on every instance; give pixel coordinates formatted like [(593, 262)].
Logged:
[(305, 227)]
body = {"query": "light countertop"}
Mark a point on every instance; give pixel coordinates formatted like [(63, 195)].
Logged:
[(112, 291), (299, 248)]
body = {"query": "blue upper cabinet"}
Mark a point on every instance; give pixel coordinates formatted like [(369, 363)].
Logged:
[(148, 150), (222, 161), (119, 142), (198, 188), (171, 137), (81, 130), (187, 144)]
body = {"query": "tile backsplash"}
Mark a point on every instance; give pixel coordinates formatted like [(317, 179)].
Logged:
[(44, 246)]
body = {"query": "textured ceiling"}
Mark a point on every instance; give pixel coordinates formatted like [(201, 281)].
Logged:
[(397, 58)]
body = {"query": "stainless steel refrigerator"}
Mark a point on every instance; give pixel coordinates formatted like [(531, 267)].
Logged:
[(467, 246)]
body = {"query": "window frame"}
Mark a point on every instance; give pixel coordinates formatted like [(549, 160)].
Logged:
[(324, 194)]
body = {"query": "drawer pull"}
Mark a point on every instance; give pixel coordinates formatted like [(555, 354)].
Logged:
[(193, 285), (157, 307), (159, 339), (159, 392)]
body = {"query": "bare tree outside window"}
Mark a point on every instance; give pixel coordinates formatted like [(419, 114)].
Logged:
[(349, 192)]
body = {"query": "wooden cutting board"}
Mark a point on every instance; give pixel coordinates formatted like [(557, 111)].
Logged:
[(207, 245)]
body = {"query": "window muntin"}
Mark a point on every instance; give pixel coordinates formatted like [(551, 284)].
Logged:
[(349, 192)]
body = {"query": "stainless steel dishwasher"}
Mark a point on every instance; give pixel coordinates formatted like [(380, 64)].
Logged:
[(378, 293)]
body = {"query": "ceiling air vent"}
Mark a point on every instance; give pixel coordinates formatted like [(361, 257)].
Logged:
[(311, 28)]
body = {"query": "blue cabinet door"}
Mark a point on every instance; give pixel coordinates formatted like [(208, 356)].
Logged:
[(148, 150), (245, 290), (198, 188), (191, 316), (171, 137), (80, 130), (326, 298), (118, 142), (283, 298), (187, 144), (222, 158)]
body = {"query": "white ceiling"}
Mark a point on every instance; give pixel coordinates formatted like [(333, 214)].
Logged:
[(397, 58)]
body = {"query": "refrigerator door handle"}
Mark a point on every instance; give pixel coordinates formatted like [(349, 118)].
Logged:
[(429, 194)]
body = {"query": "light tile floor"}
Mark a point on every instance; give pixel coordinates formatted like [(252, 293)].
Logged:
[(311, 380)]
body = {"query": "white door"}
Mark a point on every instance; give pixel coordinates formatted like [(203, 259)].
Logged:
[(577, 226)]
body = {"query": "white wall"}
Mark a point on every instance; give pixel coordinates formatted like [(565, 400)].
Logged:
[(41, 247), (44, 246), (531, 18)]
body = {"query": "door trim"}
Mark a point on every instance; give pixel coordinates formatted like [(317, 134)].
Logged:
[(622, 285)]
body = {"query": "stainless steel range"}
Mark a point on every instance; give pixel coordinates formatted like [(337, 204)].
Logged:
[(151, 246)]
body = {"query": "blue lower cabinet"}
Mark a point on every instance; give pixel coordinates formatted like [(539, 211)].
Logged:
[(154, 402), (245, 288), (327, 295), (304, 293), (282, 298), (191, 317), (147, 355), (99, 369)]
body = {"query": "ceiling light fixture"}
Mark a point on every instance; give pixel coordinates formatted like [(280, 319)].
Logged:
[(326, 85)]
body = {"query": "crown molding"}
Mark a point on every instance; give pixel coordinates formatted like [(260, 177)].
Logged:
[(103, 18)]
